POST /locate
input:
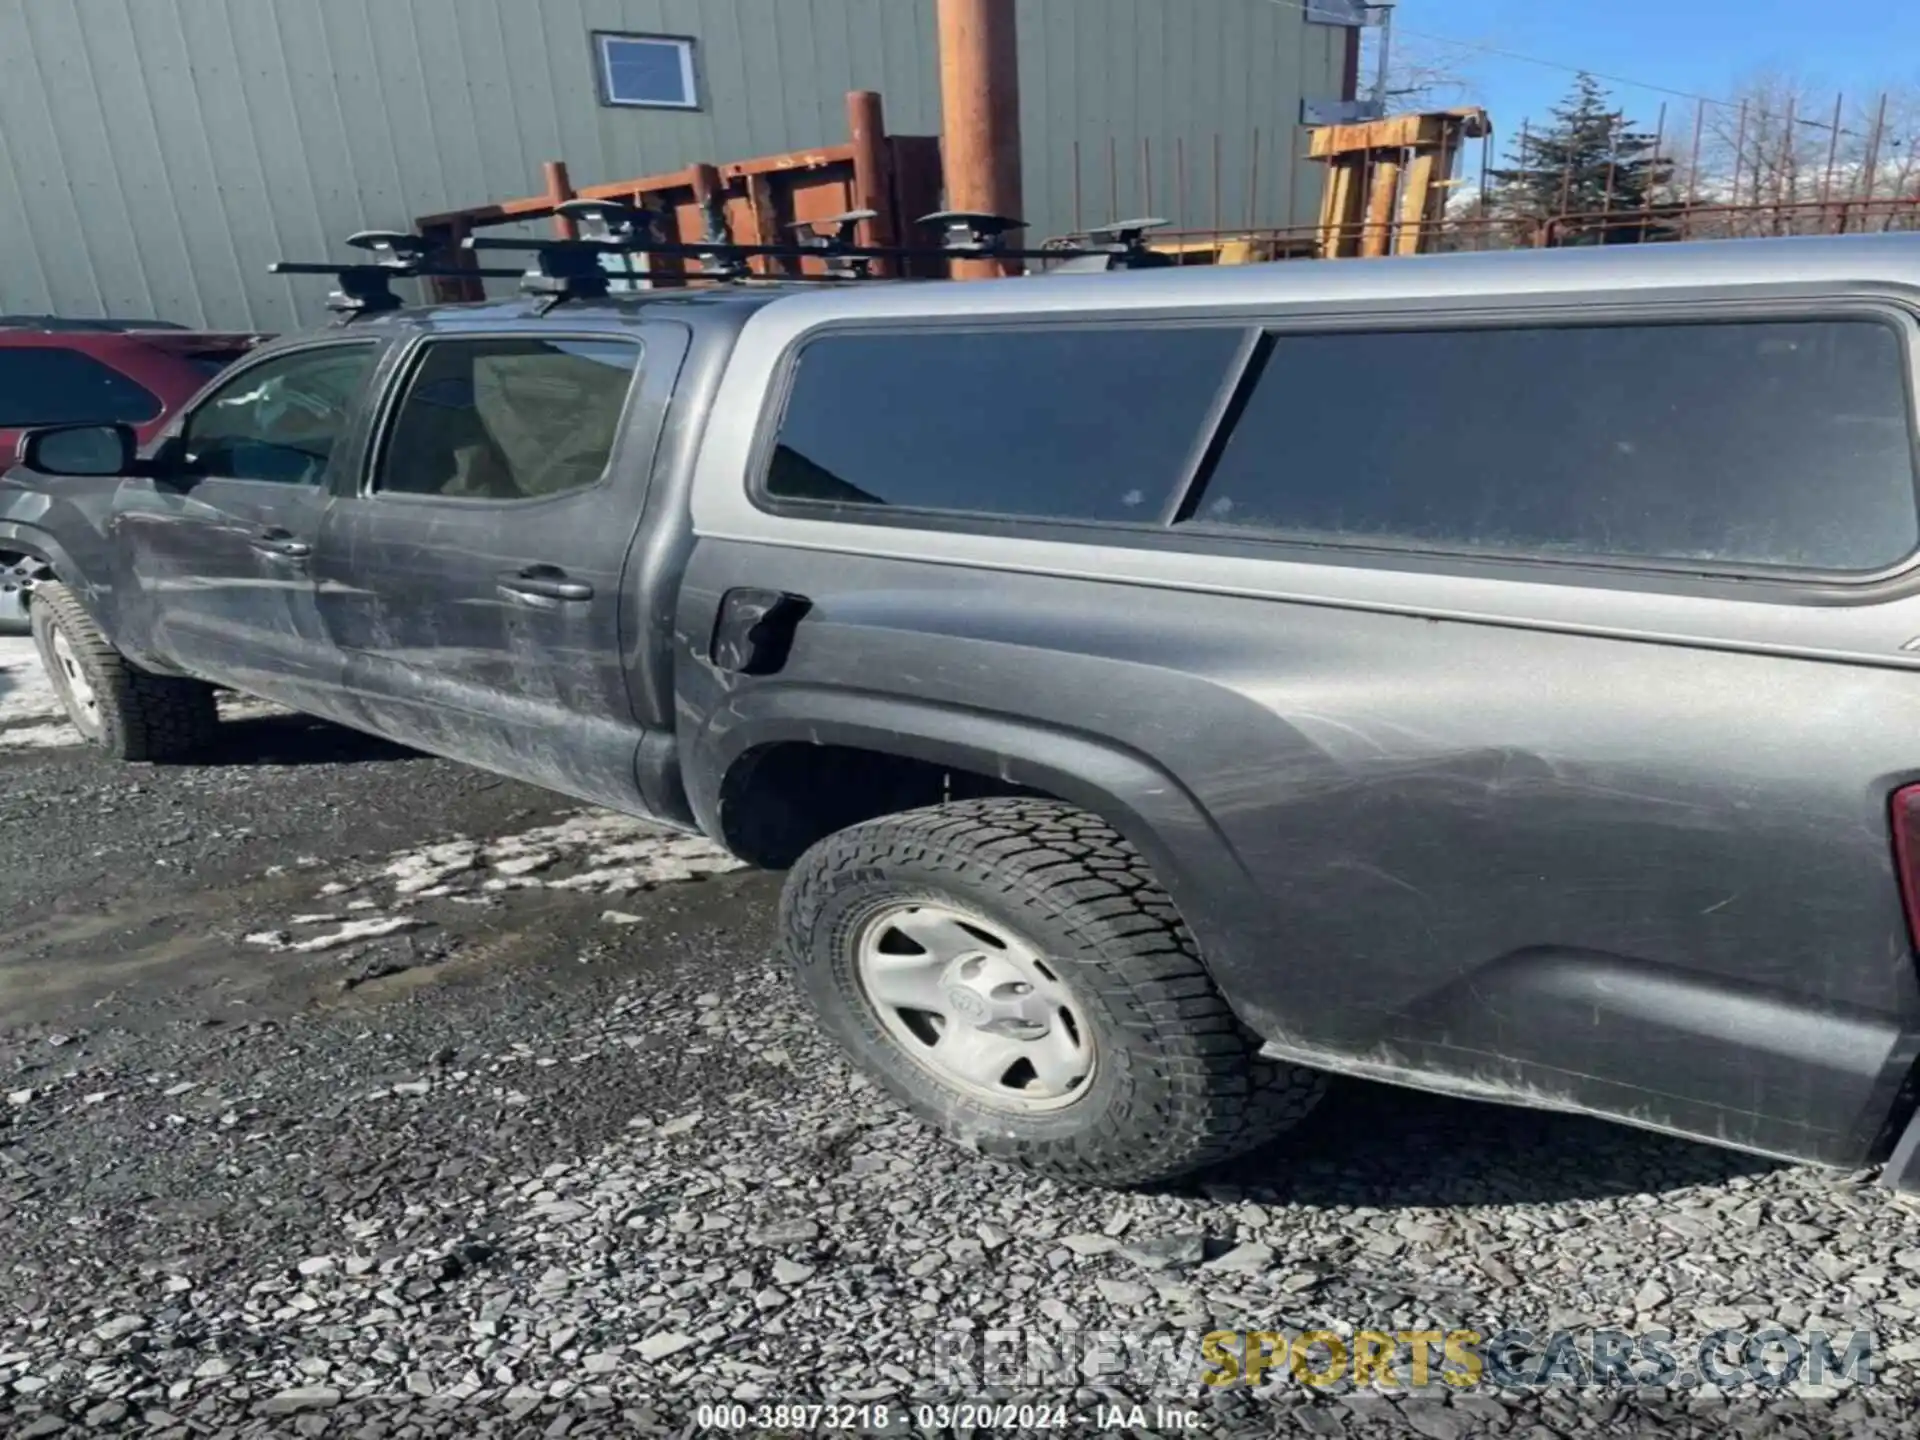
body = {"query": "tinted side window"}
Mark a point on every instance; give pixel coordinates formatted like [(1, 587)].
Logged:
[(279, 420), (1086, 424), (1735, 443), (41, 385), (508, 419)]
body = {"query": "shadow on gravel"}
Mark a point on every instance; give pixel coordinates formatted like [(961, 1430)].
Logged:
[(1382, 1146), (298, 740)]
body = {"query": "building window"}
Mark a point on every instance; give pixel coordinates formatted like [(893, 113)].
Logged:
[(653, 70)]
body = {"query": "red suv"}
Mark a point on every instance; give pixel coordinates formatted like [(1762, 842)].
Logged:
[(56, 371)]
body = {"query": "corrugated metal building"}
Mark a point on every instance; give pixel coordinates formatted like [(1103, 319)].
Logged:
[(157, 155)]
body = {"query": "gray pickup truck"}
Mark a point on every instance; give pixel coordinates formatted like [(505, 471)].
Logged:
[(1498, 674)]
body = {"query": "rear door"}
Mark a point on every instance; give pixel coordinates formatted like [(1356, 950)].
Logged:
[(220, 544), (473, 578)]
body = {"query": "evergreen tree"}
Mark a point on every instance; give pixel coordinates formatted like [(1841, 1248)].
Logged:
[(1589, 159)]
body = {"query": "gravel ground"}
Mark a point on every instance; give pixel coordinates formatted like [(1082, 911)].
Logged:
[(347, 1092)]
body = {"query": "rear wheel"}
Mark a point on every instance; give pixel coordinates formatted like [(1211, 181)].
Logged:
[(1012, 972), (116, 706)]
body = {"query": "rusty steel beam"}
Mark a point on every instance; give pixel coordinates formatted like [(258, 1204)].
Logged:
[(980, 116), (872, 173), (559, 191)]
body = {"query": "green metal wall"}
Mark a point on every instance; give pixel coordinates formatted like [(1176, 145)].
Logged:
[(156, 155)]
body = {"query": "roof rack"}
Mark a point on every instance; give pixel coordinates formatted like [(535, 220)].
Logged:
[(570, 268), (972, 232), (1117, 245), (835, 246), (719, 257), (366, 288)]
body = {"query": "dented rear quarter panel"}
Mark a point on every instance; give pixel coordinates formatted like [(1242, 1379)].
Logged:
[(1576, 870)]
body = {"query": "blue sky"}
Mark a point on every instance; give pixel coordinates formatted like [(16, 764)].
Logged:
[(1698, 46)]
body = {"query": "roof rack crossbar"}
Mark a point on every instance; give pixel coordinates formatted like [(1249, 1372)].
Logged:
[(366, 286), (719, 257), (1117, 245), (368, 289), (610, 222), (797, 250), (972, 232), (570, 268), (835, 246)]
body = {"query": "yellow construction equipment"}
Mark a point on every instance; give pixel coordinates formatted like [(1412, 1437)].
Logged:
[(1387, 180), (1248, 249)]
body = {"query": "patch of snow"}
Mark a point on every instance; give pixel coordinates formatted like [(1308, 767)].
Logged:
[(370, 929), (32, 718), (613, 854), (30, 713), (427, 870), (39, 737)]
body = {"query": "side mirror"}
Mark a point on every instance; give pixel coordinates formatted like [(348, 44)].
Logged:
[(80, 449)]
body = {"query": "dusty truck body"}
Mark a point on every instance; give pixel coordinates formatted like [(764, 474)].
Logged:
[(1495, 674)]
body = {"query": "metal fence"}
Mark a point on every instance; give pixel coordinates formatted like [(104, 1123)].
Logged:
[(1783, 167), (1237, 245)]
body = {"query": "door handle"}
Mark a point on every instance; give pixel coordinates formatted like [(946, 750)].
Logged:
[(280, 544), (544, 582)]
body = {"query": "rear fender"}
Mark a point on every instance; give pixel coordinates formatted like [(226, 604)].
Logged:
[(1146, 804)]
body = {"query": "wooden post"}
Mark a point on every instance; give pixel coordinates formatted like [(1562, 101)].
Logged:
[(763, 218), (1377, 237), (980, 116), (447, 250), (1422, 196), (560, 190), (872, 172)]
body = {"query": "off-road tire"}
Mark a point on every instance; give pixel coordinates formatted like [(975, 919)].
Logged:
[(1179, 1084), (141, 716)]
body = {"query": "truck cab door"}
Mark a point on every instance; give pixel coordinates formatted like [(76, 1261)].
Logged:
[(474, 583), (218, 543)]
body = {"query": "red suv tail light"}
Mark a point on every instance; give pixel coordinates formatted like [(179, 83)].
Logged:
[(1906, 855)]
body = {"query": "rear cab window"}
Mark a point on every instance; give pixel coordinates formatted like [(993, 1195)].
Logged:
[(1737, 444), (1753, 446), (1098, 423)]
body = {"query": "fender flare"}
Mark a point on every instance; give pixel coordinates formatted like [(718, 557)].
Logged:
[(1206, 878), (95, 597)]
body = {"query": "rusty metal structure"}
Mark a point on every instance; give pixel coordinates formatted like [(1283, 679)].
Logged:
[(1391, 190), (1387, 180), (759, 201), (980, 115), (1391, 187)]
